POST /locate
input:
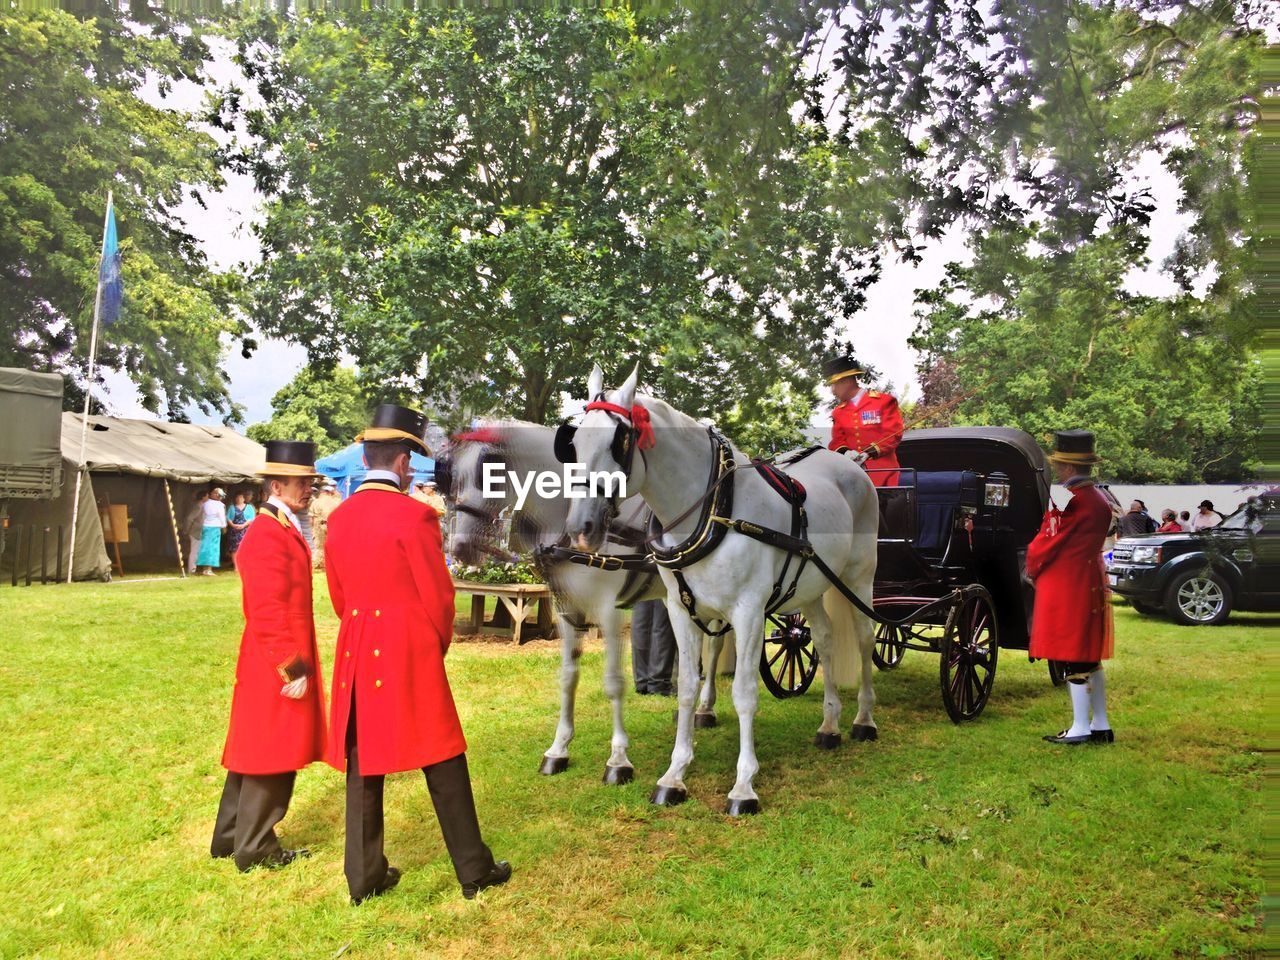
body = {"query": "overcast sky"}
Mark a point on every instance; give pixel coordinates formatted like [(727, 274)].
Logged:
[(879, 333)]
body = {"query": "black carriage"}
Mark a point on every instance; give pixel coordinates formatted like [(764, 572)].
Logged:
[(951, 573)]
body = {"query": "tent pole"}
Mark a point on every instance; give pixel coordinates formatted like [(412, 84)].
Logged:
[(88, 392), (177, 537)]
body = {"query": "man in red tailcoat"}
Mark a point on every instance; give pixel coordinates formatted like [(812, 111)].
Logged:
[(865, 423), (392, 708), (1072, 619), (277, 716)]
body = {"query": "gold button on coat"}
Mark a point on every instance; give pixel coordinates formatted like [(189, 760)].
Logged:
[(377, 613), (377, 653), (354, 612), (377, 683)]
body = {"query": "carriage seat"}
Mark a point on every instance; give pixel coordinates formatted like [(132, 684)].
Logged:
[(938, 495)]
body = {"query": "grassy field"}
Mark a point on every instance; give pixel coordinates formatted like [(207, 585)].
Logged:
[(935, 841)]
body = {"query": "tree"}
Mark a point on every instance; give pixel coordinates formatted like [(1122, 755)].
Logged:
[(1171, 399), (73, 123), (326, 407), (777, 423), (477, 206)]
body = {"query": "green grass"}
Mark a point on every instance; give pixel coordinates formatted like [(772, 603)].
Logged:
[(936, 841)]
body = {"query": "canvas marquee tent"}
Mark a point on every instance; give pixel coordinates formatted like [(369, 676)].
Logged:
[(129, 463)]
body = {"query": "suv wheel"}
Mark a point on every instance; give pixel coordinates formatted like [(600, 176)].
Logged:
[(1199, 598)]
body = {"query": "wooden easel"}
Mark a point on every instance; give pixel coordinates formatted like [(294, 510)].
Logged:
[(113, 535)]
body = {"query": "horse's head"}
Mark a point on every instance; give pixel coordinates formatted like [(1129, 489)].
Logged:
[(606, 443), (460, 480)]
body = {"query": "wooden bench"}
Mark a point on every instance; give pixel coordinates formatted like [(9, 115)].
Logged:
[(515, 602)]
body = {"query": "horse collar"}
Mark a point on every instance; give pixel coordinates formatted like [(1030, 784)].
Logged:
[(717, 501)]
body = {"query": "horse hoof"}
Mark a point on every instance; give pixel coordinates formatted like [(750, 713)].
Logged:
[(742, 808), (668, 796), (553, 765), (826, 741), (703, 720), (862, 732), (617, 776)]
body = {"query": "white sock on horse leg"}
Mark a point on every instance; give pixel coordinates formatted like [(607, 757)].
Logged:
[(1098, 699), (1080, 699)]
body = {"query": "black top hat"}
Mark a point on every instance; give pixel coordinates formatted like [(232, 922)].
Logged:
[(838, 368), (289, 458), (1074, 446), (392, 422)]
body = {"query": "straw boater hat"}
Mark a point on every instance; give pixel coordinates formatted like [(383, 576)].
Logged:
[(840, 367), (1074, 447), (391, 422), (289, 458)]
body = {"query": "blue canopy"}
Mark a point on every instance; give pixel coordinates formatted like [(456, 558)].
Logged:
[(346, 468)]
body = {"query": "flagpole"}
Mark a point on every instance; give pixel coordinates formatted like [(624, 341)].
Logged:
[(88, 388)]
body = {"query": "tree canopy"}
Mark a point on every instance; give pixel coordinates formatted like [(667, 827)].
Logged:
[(1171, 399), (477, 206), (325, 406), (77, 119)]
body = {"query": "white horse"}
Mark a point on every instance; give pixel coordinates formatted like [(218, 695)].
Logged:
[(584, 594), (734, 580)]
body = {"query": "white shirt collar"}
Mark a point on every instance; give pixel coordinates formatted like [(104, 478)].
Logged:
[(857, 397), (283, 508), (388, 475)]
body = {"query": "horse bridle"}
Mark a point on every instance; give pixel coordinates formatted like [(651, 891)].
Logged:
[(628, 437)]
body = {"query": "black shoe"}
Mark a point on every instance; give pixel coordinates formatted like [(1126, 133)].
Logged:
[(664, 691), (500, 873), (1102, 736), (1062, 738), (389, 880), (278, 860)]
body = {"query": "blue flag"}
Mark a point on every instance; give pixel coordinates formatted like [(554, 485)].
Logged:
[(109, 272)]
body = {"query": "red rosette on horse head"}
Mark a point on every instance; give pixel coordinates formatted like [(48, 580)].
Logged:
[(638, 417)]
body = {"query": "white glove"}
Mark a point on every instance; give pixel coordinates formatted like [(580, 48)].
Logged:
[(295, 689), (857, 456)]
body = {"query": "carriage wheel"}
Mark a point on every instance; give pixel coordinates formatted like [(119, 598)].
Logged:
[(970, 647), (890, 646), (1057, 672), (788, 663)]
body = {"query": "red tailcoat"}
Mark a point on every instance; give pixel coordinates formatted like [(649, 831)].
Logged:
[(1072, 619), (391, 589), (872, 417), (270, 733)]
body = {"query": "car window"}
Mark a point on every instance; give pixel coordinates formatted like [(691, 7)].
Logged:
[(1237, 521)]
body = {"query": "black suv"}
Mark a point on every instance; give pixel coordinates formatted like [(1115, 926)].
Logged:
[(1199, 578)]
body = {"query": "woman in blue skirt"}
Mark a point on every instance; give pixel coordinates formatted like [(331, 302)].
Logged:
[(215, 520)]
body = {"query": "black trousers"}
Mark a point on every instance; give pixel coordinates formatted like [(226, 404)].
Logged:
[(653, 646), (251, 806), (449, 783)]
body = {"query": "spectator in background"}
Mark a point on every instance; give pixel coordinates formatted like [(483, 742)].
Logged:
[(193, 528), (239, 515), (1184, 518), (215, 521), (1137, 522), (1206, 516), (653, 648), (1169, 522), (323, 505)]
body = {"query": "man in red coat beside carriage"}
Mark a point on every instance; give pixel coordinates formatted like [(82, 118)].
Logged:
[(392, 709), (866, 422), (277, 717), (1072, 619)]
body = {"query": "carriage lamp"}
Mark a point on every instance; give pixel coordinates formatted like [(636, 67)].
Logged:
[(996, 492), (1146, 555)]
